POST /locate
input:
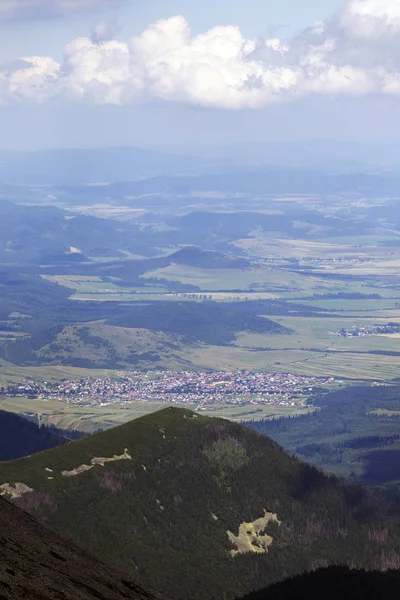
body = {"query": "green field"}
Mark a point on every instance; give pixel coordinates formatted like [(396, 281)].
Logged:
[(10, 374), (262, 278), (91, 418), (312, 348), (316, 333), (254, 413), (93, 288), (81, 418), (352, 366), (356, 306)]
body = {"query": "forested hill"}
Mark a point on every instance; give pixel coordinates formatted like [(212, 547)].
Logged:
[(196, 257), (355, 434), (333, 584), (202, 508), (20, 437)]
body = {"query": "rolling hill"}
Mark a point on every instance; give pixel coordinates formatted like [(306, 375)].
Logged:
[(167, 331), (202, 508), (46, 235), (38, 564), (205, 259)]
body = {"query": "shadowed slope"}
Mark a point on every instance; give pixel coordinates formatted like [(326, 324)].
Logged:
[(37, 564), (20, 437), (335, 584)]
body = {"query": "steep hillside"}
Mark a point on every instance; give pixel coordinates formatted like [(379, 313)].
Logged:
[(334, 583), (38, 564), (202, 508), (19, 437)]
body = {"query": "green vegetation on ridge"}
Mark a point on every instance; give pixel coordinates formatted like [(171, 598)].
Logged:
[(164, 515)]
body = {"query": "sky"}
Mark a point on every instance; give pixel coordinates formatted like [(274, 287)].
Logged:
[(174, 74)]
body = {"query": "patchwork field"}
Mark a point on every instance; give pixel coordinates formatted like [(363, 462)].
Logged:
[(312, 348), (352, 366), (317, 333)]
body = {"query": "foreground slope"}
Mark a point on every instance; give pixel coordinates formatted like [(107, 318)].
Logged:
[(37, 564), (202, 508), (334, 583)]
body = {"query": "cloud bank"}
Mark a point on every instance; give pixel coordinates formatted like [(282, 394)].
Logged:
[(356, 52)]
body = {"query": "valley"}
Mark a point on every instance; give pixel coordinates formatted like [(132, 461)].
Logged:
[(225, 276), (203, 276)]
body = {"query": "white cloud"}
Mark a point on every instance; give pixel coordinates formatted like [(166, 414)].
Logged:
[(371, 18), (354, 53), (213, 69), (34, 78), (32, 9), (97, 72)]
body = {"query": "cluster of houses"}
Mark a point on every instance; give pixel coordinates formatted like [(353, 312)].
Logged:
[(367, 331), (178, 387)]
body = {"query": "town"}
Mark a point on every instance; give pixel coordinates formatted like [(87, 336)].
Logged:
[(389, 329), (190, 388)]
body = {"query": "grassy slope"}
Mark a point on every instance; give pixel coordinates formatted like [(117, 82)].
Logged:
[(153, 516)]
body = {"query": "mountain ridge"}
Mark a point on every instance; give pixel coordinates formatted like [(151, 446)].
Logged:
[(202, 508)]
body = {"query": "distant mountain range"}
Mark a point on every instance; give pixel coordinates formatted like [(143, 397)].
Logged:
[(202, 508), (94, 165)]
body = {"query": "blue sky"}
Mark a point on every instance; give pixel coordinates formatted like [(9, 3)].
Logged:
[(255, 17), (268, 74)]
